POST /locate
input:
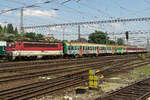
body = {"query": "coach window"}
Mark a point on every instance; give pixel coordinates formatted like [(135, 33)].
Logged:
[(78, 47), (68, 47), (90, 48), (86, 48), (75, 47)]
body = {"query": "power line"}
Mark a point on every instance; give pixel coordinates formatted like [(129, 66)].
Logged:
[(27, 6), (93, 22), (77, 11), (98, 10), (18, 2)]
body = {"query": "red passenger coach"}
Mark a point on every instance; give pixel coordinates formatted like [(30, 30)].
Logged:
[(34, 50), (132, 49)]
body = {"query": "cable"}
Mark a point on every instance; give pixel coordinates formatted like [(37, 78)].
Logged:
[(27, 6), (98, 10), (77, 11), (18, 2), (121, 7)]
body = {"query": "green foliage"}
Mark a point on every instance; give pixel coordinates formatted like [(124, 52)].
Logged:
[(143, 57), (111, 42), (17, 35), (39, 36), (15, 31), (65, 40), (8, 38), (10, 28), (11, 33), (1, 38), (1, 28), (34, 36), (98, 37), (120, 41), (31, 35), (4, 29)]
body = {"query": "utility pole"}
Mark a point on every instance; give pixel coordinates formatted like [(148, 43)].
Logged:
[(21, 21), (147, 40), (63, 33), (79, 33)]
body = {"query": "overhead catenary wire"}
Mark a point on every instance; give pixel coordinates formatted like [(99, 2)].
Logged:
[(18, 2), (96, 9), (95, 22), (84, 14), (27, 6)]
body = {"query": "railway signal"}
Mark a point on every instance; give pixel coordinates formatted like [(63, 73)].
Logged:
[(94, 80)]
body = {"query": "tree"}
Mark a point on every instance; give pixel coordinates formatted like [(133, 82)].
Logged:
[(39, 36), (31, 35), (10, 28), (4, 30), (112, 42), (15, 31), (120, 41), (98, 37), (1, 28), (8, 38)]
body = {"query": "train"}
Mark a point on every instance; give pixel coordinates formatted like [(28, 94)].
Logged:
[(3, 45), (37, 50)]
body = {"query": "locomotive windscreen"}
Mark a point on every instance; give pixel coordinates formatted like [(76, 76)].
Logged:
[(40, 45)]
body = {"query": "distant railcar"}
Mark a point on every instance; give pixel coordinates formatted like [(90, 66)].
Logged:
[(33, 50), (2, 48)]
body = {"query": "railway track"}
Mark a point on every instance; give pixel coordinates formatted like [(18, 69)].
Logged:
[(124, 67), (19, 64), (48, 86), (56, 71), (136, 91), (44, 65), (53, 85)]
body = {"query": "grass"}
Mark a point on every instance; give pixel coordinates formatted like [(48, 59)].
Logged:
[(144, 69)]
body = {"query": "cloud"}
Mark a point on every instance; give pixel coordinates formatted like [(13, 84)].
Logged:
[(40, 13), (3, 24), (115, 26)]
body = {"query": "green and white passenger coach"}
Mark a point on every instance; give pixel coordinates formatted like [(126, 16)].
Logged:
[(86, 49)]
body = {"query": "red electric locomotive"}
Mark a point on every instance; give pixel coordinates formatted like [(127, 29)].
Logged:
[(33, 50)]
